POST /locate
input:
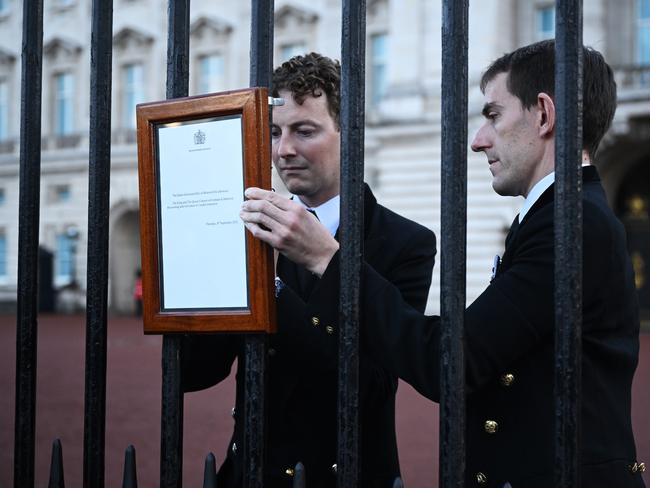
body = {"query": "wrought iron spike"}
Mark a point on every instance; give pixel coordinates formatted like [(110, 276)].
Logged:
[(210, 472), (398, 483), (130, 478), (56, 466), (299, 476)]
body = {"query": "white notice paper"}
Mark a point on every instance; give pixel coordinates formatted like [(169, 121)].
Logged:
[(202, 238)]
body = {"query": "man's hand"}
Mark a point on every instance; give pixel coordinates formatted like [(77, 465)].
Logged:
[(289, 228)]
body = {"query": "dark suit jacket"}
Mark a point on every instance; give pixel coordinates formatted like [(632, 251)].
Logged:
[(509, 330), (303, 362)]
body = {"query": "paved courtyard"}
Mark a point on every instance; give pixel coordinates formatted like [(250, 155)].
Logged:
[(133, 408)]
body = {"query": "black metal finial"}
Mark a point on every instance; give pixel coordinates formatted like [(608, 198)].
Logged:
[(56, 466), (130, 478)]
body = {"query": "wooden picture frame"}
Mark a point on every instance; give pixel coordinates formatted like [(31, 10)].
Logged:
[(201, 270)]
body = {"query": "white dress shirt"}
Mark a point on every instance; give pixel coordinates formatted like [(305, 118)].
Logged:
[(534, 194), (328, 213), (537, 190)]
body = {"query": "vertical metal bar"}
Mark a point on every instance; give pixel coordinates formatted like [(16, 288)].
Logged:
[(568, 240), (255, 357), (353, 57), (254, 410), (171, 442), (261, 43), (178, 48), (98, 211), (454, 240), (29, 202)]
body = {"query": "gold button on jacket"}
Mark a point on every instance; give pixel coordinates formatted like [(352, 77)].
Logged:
[(507, 379), (491, 426), (637, 468)]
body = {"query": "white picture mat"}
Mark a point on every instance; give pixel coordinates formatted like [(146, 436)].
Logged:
[(202, 238)]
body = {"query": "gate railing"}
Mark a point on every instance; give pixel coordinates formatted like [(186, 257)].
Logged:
[(454, 196)]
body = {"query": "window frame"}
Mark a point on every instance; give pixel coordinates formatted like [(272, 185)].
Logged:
[(4, 109), (374, 97), (65, 130), (131, 94), (4, 261), (540, 9), (210, 86), (66, 256)]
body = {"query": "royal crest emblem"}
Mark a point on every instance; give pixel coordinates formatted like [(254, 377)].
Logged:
[(199, 137)]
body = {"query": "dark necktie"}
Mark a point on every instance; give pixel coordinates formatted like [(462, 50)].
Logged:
[(513, 230)]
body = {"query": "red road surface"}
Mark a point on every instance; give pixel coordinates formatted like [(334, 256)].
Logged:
[(133, 408)]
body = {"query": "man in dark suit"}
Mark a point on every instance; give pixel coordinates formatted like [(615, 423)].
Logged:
[(509, 329), (303, 357)]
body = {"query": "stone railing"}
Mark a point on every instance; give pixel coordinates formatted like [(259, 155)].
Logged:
[(632, 77)]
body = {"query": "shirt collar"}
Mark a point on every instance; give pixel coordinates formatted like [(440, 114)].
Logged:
[(536, 191), (328, 213), (534, 194)]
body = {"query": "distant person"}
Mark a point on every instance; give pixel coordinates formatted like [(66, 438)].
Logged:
[(137, 293), (509, 329)]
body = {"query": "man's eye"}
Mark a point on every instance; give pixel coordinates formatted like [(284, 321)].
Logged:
[(305, 132), (492, 115), (275, 134)]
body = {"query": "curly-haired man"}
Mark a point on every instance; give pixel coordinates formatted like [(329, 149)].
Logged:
[(303, 362)]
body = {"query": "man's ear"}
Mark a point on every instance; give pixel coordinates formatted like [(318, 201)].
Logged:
[(545, 114)]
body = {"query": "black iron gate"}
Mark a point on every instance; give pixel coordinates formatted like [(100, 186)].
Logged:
[(454, 193)]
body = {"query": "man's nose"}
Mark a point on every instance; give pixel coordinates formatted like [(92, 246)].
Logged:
[(480, 142), (285, 146)]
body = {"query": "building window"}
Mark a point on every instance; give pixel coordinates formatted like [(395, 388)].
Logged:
[(63, 104), (3, 255), (643, 49), (2, 196), (62, 193), (378, 67), (133, 82), (288, 51), (211, 73), (4, 7), (62, 4), (65, 256), (644, 32), (545, 22), (4, 109)]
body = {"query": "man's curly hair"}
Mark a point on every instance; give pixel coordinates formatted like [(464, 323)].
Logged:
[(311, 75)]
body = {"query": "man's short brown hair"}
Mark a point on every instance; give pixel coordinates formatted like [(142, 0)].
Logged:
[(311, 75), (531, 70)]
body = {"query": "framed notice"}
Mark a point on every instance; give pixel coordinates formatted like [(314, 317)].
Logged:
[(201, 270)]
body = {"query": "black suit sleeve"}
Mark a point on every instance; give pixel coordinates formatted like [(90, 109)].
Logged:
[(504, 322), (409, 275), (207, 359)]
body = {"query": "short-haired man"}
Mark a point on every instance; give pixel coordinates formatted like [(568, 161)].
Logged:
[(303, 362), (509, 329)]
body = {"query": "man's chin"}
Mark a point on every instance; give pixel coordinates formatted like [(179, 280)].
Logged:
[(500, 188), (297, 189)]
